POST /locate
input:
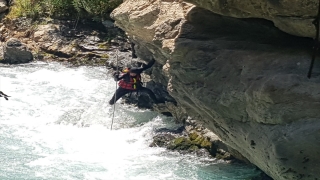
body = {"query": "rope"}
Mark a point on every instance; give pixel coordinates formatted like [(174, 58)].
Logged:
[(133, 54), (316, 22), (115, 94), (75, 26), (131, 62)]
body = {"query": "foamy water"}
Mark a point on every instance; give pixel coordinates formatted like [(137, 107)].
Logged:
[(57, 124)]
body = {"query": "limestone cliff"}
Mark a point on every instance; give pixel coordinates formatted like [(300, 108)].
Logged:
[(244, 78), (292, 16)]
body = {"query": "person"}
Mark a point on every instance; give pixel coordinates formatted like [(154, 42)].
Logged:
[(130, 81), (4, 95)]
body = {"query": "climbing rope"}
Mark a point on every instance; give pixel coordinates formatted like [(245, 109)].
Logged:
[(316, 22), (76, 24), (115, 94)]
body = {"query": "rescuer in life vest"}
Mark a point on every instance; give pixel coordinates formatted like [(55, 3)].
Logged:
[(130, 81)]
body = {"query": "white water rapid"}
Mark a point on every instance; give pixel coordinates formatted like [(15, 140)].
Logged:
[(56, 126)]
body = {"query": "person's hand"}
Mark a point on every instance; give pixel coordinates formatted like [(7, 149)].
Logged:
[(151, 62), (116, 74)]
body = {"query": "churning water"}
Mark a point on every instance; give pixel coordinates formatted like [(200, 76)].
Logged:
[(56, 126)]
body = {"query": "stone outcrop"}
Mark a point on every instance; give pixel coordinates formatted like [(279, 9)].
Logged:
[(15, 52), (194, 138), (244, 78)]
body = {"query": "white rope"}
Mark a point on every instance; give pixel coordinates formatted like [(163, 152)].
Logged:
[(115, 94)]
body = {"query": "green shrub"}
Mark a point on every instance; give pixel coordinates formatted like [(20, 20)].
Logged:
[(98, 8), (58, 8), (25, 8), (63, 8)]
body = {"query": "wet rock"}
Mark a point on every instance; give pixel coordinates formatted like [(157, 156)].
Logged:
[(162, 140), (200, 145), (192, 140), (222, 154), (176, 111), (181, 143), (15, 52), (176, 131)]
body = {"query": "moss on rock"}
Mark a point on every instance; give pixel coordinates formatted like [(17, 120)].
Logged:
[(193, 136), (180, 143), (200, 141)]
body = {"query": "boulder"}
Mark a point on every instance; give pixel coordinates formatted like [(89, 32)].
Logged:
[(15, 52)]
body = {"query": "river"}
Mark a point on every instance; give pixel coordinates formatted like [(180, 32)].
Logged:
[(56, 126)]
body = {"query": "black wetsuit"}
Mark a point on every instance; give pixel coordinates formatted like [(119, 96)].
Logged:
[(126, 77)]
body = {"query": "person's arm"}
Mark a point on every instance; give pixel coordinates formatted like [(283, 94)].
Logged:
[(139, 70), (148, 65), (117, 76)]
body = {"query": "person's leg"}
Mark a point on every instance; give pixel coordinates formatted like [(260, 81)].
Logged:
[(150, 93), (118, 94)]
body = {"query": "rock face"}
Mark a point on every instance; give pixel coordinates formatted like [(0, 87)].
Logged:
[(15, 52), (244, 78), (294, 16)]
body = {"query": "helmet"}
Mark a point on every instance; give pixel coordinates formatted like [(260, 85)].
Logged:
[(134, 70)]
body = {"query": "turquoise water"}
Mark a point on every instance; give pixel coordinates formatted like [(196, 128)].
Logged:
[(56, 126)]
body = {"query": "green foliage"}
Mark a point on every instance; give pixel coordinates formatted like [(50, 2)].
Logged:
[(58, 8), (26, 8), (96, 9)]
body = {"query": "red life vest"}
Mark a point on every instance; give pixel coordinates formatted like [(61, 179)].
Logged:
[(133, 84)]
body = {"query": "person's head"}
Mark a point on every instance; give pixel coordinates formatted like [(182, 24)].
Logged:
[(133, 71), (126, 70)]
